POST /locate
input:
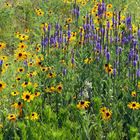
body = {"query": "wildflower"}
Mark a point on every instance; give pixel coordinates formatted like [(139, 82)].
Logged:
[(50, 89), (7, 4), (11, 117), (83, 104), (51, 75), (22, 46), (34, 116), (36, 94), (109, 6), (39, 12), (21, 55), (1, 125), (25, 84), (108, 68), (50, 12), (59, 88), (14, 93), (106, 115), (2, 85), (3, 58), (27, 96), (20, 69), (87, 60), (31, 74), (18, 105), (103, 109), (69, 20), (138, 85), (18, 78), (133, 94), (134, 105), (2, 45)]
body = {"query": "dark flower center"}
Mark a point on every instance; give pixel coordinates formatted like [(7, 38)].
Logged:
[(107, 114), (27, 96), (20, 54)]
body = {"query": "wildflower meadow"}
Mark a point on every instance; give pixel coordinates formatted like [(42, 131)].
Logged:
[(69, 70)]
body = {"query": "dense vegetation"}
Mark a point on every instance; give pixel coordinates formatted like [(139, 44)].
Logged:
[(69, 69)]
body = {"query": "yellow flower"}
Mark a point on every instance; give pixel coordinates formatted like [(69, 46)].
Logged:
[(2, 85), (20, 69), (106, 115), (109, 6), (25, 84), (7, 4), (39, 12), (36, 94), (21, 55), (103, 110), (138, 85), (27, 96), (134, 105), (14, 93), (34, 116), (2, 45), (11, 117), (1, 125), (87, 60), (108, 68), (50, 89), (133, 94), (18, 105), (59, 88), (22, 46), (51, 75), (83, 104), (69, 20)]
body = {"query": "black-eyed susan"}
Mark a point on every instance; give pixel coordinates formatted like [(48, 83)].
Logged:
[(51, 75), (134, 105), (50, 12), (83, 105), (36, 94), (2, 45), (69, 20), (7, 4), (14, 93), (106, 115), (31, 74), (27, 96), (109, 14), (109, 6), (87, 60), (18, 78), (103, 109), (39, 12), (20, 69), (44, 69), (59, 88), (50, 89), (21, 55), (34, 116), (26, 83), (108, 68), (133, 93), (1, 125), (11, 117), (22, 46), (17, 105), (3, 58), (138, 85), (2, 85)]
